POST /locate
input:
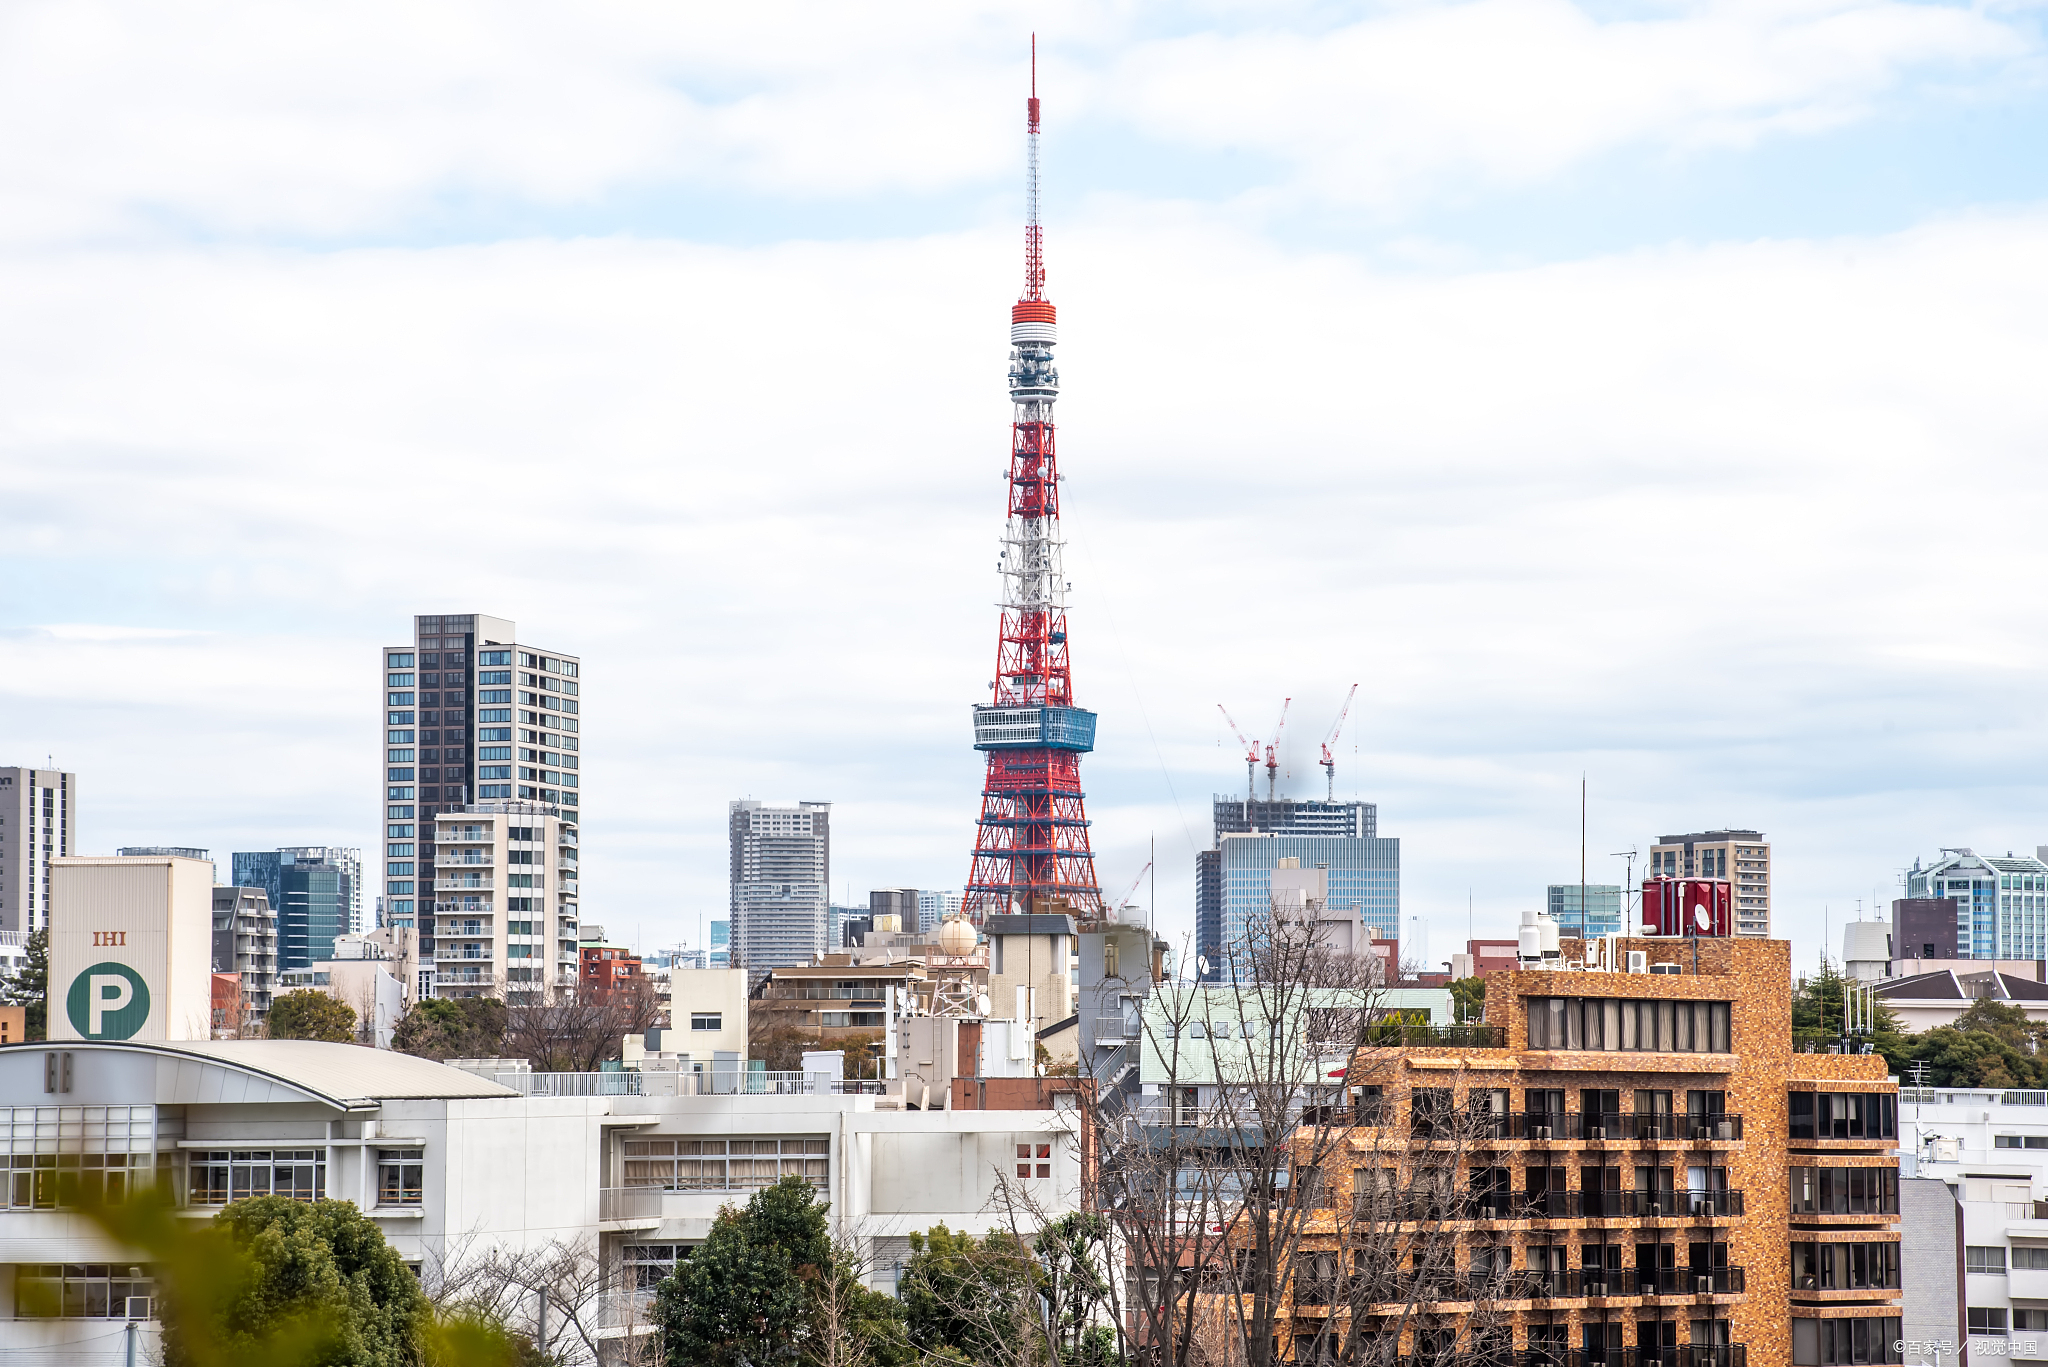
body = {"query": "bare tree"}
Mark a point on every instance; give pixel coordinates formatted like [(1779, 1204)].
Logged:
[(562, 1295), (1258, 1189), (571, 1031)]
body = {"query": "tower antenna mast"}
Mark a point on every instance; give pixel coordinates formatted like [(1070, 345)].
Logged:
[(1031, 847)]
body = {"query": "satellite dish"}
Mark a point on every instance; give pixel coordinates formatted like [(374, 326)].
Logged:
[(981, 1003), (1700, 917), (1202, 965)]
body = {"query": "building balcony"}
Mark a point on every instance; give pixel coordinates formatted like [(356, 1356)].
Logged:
[(462, 858), (462, 883)]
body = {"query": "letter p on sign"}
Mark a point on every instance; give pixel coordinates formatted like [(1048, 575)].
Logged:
[(106, 992)]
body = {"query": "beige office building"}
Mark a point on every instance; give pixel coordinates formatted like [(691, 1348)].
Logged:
[(1741, 857), (131, 948), (504, 908), (38, 816)]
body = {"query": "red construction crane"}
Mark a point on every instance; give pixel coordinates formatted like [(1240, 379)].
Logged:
[(1329, 761), (1136, 883), (1273, 751), (1251, 753)]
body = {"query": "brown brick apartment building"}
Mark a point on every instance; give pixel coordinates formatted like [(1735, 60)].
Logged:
[(1636, 1169)]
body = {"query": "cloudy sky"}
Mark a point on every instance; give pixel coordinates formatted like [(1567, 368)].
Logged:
[(1645, 391)]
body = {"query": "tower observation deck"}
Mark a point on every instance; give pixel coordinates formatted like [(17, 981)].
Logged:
[(1031, 850)]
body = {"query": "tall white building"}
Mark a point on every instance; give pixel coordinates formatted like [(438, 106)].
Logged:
[(38, 815), (470, 715), (505, 898), (781, 869)]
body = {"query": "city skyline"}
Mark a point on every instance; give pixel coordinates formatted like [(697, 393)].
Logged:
[(1475, 349)]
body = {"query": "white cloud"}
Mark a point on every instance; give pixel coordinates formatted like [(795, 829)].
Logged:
[(1709, 523), (138, 122), (1446, 98)]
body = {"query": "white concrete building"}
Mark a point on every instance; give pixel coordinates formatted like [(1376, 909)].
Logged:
[(360, 977), (505, 918), (451, 1164), (1990, 1147)]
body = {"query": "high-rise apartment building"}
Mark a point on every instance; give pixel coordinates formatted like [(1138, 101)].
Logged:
[(1234, 880), (781, 868), (2001, 903), (315, 891), (245, 943), (38, 823), (505, 902), (1587, 910), (1741, 857), (471, 715)]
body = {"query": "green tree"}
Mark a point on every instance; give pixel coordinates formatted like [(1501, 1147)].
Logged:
[(318, 1275), (1992, 1044), (1468, 996), (29, 986), (441, 1027), (1817, 1019), (310, 1013), (747, 1296), (964, 1298)]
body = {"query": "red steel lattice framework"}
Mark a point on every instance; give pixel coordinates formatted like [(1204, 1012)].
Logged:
[(1031, 850)]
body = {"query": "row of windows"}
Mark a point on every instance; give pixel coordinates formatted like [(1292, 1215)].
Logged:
[(1990, 1259), (1845, 1191), (1844, 1115), (725, 1164), (1824, 1343), (1844, 1267), (1609, 1023), (83, 1291), (1993, 1320)]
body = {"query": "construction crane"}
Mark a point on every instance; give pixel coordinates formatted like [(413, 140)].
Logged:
[(1251, 753), (1329, 761), (1125, 900), (1273, 751)]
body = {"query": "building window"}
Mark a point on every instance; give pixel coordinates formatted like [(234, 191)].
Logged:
[(223, 1175), (1985, 1259), (1844, 1115), (707, 1020), (1824, 1343), (2032, 1259), (110, 1152), (1607, 1023), (400, 1177), (726, 1164), (1034, 1159), (652, 1264), (1987, 1320), (83, 1291), (2020, 1141)]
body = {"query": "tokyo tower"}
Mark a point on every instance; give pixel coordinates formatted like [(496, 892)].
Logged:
[(1031, 847)]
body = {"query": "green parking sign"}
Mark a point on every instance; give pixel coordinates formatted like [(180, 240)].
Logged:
[(107, 1001)]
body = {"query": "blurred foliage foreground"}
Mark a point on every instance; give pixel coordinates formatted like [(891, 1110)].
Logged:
[(274, 1282)]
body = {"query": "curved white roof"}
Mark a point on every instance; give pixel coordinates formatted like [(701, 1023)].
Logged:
[(341, 1075)]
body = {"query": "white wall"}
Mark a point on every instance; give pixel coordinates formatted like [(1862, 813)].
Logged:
[(150, 914)]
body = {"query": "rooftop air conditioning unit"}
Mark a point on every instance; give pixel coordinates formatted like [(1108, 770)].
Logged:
[(1639, 961), (139, 1308)]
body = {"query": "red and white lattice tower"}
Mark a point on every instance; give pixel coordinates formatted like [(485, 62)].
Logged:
[(1032, 844)]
